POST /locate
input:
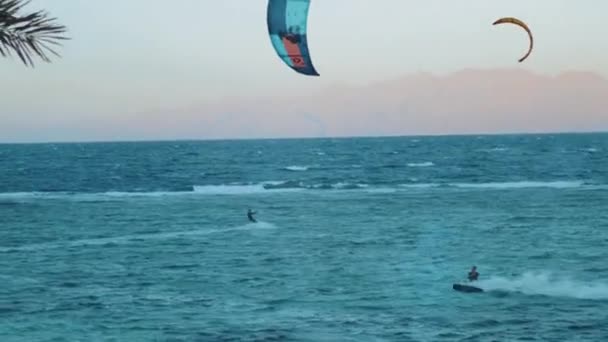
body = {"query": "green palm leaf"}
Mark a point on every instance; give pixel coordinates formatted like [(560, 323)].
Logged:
[(28, 35)]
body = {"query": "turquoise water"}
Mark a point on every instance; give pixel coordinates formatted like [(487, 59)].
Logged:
[(357, 240)]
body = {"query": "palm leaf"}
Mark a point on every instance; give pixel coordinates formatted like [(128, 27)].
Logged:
[(28, 35)]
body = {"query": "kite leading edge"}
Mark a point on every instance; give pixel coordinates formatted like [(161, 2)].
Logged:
[(287, 27), (515, 21)]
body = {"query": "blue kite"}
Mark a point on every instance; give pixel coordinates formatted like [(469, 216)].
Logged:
[(287, 24)]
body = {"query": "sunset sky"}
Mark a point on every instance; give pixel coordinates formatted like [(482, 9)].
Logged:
[(137, 58)]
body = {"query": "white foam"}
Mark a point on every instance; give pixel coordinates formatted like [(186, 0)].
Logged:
[(380, 190), (273, 187), (19, 195), (495, 149), (296, 168), (420, 185), (241, 189), (86, 196), (522, 184), (345, 185), (35, 195), (423, 164), (544, 283), (138, 194)]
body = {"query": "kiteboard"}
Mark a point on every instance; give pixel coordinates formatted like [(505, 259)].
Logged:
[(466, 288)]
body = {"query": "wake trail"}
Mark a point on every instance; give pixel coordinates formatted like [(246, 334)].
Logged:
[(544, 283)]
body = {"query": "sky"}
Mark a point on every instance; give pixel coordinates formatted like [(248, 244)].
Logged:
[(129, 58)]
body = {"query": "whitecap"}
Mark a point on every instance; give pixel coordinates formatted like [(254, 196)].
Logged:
[(521, 185), (422, 164), (296, 168)]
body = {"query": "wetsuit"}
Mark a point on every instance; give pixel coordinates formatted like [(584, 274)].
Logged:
[(250, 216)]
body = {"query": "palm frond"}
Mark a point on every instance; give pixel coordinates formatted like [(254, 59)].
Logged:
[(28, 35)]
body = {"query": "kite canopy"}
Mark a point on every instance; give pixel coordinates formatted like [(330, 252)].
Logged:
[(515, 21), (287, 26)]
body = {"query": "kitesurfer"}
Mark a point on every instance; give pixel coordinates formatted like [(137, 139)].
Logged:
[(250, 214), (473, 274)]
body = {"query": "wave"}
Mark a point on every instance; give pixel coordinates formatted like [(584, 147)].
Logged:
[(296, 168), (281, 186), (380, 190), (135, 238), (232, 189), (494, 149), (544, 283), (423, 164), (421, 185), (506, 185), (522, 184), (272, 187), (346, 185)]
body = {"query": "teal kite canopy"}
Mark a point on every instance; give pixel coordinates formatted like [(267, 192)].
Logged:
[(287, 25)]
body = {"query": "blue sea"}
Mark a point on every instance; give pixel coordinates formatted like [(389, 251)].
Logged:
[(357, 239)]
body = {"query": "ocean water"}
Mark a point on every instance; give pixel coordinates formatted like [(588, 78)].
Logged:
[(357, 240)]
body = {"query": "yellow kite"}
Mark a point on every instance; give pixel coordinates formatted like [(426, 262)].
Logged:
[(520, 23)]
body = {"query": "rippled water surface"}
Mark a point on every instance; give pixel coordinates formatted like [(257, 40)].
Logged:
[(357, 240)]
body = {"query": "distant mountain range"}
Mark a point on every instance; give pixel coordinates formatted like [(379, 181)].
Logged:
[(468, 101)]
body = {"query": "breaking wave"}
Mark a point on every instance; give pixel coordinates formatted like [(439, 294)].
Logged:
[(494, 149), (522, 184), (271, 187), (424, 164), (296, 168), (242, 189)]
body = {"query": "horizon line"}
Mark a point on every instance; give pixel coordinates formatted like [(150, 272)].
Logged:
[(131, 141)]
